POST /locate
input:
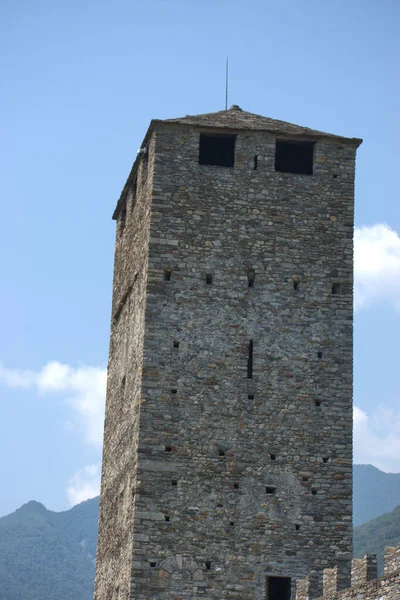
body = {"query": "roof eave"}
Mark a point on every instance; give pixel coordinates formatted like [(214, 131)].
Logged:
[(132, 174), (311, 134)]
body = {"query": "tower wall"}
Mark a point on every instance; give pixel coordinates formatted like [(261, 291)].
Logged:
[(121, 427), (230, 479), (225, 222)]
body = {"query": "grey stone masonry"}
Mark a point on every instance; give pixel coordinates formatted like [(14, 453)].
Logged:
[(392, 559), (364, 584), (363, 569), (336, 579), (227, 461), (309, 587)]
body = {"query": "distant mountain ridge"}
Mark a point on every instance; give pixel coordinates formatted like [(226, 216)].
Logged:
[(51, 556), (46, 555), (374, 493)]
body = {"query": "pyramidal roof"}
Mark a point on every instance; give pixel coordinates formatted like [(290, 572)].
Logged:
[(236, 118)]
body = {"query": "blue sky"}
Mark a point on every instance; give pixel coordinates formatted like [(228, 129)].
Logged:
[(80, 82)]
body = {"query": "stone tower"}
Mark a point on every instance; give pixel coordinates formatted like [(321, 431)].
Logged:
[(227, 465)]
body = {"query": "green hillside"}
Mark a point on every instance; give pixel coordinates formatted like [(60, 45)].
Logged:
[(46, 555), (376, 534)]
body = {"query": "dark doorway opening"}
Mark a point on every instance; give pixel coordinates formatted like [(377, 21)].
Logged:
[(217, 150), (278, 588), (294, 157)]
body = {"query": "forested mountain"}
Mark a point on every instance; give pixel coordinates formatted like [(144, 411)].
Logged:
[(46, 555)]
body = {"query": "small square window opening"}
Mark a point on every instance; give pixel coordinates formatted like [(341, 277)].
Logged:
[(294, 157), (218, 150)]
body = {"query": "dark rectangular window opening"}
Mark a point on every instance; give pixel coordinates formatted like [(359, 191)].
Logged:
[(250, 396), (294, 157), (318, 403), (174, 482), (209, 279), (279, 588), (218, 150), (336, 288), (221, 452), (168, 448), (176, 344), (255, 162), (296, 282), (167, 274), (297, 526), (174, 391), (208, 565), (270, 489), (251, 276), (153, 564), (272, 456), (232, 523), (235, 486), (319, 354), (250, 361), (167, 519)]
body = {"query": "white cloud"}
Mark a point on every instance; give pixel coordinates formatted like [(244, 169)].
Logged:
[(17, 378), (83, 389), (377, 438), (376, 266), (84, 484)]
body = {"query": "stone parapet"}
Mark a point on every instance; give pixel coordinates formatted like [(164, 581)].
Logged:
[(364, 584), (392, 559)]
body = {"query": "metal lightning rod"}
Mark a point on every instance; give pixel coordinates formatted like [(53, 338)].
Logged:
[(226, 85)]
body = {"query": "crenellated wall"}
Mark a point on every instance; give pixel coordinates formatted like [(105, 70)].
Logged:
[(364, 584)]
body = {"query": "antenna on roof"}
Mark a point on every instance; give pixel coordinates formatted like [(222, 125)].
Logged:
[(226, 85)]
